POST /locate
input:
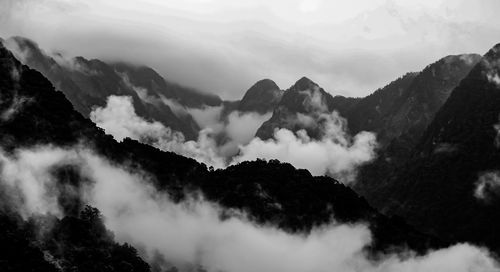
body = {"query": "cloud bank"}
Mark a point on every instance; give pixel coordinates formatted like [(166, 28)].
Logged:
[(119, 119), (335, 154), (191, 234)]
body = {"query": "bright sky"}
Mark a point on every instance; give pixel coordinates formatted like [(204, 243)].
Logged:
[(349, 47)]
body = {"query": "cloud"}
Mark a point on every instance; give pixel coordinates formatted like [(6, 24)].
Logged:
[(119, 119), (192, 234), (141, 92), (225, 46), (491, 69), (237, 128), (331, 152), (205, 117), (487, 186), (17, 104), (28, 182), (240, 129), (335, 154)]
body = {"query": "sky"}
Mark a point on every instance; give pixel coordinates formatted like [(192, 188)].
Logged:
[(349, 47)]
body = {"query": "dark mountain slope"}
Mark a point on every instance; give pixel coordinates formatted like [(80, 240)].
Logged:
[(408, 116), (407, 105), (150, 80), (262, 97), (402, 109), (271, 192), (88, 83), (435, 188), (415, 109), (370, 113)]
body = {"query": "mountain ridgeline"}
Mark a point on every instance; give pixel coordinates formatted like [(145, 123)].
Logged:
[(437, 164), (88, 83), (79, 241), (448, 184)]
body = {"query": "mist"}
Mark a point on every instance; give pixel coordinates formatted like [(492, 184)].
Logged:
[(342, 44), (192, 234), (336, 154), (487, 186)]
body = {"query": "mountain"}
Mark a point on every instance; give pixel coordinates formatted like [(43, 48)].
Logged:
[(88, 83), (32, 113), (262, 97), (371, 112), (428, 91), (267, 191), (402, 109), (449, 184), (299, 108)]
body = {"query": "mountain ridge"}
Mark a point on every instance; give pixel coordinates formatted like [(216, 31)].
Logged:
[(51, 119)]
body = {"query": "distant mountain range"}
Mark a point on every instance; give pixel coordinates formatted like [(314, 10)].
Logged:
[(271, 192), (399, 111)]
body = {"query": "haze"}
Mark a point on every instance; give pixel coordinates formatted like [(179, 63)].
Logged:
[(224, 46)]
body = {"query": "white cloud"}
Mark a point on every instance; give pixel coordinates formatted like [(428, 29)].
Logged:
[(240, 129), (119, 119), (28, 182), (339, 159), (487, 186), (192, 233), (141, 92), (336, 154), (225, 46), (205, 117), (17, 104)]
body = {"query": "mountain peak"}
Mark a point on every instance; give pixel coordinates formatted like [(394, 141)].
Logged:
[(265, 84), (304, 83), (262, 97)]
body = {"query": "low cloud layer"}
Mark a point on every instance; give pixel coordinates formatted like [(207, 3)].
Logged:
[(119, 119), (335, 154), (323, 157), (191, 234)]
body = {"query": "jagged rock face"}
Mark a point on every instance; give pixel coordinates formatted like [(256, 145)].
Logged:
[(436, 188), (299, 108), (88, 83), (262, 97)]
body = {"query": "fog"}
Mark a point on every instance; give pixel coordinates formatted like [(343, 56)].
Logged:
[(336, 154), (191, 233), (348, 47)]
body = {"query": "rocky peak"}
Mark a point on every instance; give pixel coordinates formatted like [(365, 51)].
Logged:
[(262, 97)]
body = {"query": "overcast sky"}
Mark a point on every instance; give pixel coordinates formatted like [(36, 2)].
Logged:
[(349, 47)]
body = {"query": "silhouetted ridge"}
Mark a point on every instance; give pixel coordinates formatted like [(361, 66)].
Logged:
[(304, 83), (435, 187), (262, 97)]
